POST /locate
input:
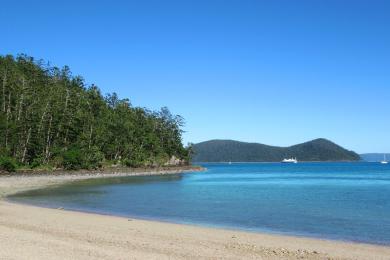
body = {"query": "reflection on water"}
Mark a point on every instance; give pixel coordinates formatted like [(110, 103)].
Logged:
[(90, 186)]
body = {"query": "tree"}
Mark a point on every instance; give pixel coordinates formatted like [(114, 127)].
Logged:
[(49, 116)]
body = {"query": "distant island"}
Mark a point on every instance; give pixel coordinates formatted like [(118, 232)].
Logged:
[(229, 150), (374, 157)]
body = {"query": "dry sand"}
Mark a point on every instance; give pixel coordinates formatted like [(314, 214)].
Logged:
[(28, 232)]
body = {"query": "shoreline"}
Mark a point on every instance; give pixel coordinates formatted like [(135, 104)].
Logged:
[(39, 233), (14, 183), (9, 200), (108, 170)]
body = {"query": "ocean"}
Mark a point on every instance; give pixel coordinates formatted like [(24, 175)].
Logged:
[(340, 201)]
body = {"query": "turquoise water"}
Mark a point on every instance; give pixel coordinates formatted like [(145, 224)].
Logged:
[(344, 201)]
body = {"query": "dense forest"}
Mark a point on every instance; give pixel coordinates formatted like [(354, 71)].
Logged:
[(50, 118), (229, 150)]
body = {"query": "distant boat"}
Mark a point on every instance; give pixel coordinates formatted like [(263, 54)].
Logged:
[(291, 160), (384, 160)]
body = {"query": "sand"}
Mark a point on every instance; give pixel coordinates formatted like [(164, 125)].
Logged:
[(28, 232)]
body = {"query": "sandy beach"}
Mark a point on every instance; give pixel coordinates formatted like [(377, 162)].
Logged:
[(28, 232)]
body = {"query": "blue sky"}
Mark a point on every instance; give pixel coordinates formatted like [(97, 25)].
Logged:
[(275, 72)]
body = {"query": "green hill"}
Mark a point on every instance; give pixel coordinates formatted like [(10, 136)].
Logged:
[(235, 151), (49, 117)]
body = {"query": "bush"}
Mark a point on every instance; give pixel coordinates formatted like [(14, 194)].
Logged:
[(128, 163), (36, 163), (132, 163), (72, 159), (93, 158), (7, 164)]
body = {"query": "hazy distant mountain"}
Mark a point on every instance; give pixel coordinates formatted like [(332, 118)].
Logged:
[(374, 157), (235, 151)]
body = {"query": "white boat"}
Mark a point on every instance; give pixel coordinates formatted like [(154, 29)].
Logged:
[(384, 160), (291, 160)]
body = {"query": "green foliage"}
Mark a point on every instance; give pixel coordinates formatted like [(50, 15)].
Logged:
[(228, 150), (129, 163), (93, 158), (36, 163), (72, 159), (7, 164), (49, 117)]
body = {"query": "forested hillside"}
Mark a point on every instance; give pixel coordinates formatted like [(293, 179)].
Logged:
[(229, 150), (50, 117)]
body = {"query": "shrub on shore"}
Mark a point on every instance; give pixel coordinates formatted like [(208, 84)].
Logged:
[(72, 159), (7, 164)]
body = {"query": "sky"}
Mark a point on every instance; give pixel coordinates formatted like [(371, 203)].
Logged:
[(275, 72)]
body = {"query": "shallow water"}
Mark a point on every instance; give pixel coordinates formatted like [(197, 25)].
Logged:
[(345, 201)]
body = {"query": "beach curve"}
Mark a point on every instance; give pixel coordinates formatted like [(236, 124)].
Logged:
[(29, 232)]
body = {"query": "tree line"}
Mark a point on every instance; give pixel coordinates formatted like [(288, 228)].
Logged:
[(48, 117)]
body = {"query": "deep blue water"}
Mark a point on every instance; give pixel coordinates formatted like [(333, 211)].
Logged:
[(345, 201)]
